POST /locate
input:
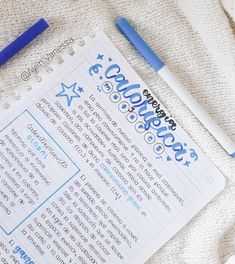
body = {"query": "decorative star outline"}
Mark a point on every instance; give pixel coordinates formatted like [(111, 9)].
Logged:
[(68, 92)]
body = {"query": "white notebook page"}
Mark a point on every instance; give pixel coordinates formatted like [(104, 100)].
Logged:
[(93, 169)]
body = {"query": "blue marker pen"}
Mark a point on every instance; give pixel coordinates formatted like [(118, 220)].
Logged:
[(152, 58), (23, 40)]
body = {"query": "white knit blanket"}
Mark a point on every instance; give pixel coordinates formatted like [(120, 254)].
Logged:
[(196, 40)]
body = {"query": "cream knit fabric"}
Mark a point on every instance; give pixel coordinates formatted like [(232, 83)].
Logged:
[(196, 40)]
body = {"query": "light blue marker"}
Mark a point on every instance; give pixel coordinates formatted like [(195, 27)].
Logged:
[(153, 59)]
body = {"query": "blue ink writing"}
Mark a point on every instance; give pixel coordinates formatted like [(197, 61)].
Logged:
[(37, 146), (150, 110), (23, 255)]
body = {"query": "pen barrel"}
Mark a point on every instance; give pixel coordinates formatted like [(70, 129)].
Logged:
[(23, 40), (197, 110), (137, 41)]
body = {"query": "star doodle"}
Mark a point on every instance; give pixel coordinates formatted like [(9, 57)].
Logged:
[(81, 90), (100, 57), (168, 158), (187, 163), (69, 92)]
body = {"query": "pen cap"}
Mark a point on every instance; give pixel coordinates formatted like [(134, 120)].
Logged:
[(136, 40)]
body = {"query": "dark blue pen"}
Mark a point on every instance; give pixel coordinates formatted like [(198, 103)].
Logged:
[(23, 40)]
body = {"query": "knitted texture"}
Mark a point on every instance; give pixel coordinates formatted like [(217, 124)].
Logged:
[(196, 40), (229, 6)]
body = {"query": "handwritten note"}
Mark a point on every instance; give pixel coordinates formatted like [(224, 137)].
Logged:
[(94, 169)]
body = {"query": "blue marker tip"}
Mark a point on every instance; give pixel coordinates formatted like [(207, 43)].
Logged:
[(22, 41), (136, 40), (232, 155)]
